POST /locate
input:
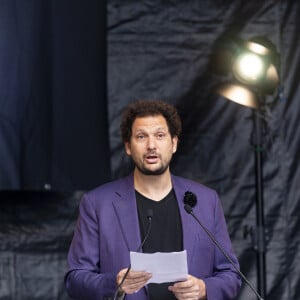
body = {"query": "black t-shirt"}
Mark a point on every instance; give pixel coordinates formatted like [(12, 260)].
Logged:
[(165, 234)]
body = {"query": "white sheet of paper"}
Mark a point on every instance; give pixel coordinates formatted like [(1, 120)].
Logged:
[(165, 267)]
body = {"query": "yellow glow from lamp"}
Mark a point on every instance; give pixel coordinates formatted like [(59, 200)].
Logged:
[(249, 68)]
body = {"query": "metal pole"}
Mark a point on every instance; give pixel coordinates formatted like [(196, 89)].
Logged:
[(260, 223)]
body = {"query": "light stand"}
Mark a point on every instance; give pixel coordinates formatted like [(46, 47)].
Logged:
[(259, 233), (249, 86)]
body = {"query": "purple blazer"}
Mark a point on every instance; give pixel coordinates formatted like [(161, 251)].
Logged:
[(108, 228)]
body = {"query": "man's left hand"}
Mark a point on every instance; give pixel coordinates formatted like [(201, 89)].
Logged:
[(191, 289)]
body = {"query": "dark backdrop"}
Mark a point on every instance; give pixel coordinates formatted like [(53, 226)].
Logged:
[(53, 118), (63, 89)]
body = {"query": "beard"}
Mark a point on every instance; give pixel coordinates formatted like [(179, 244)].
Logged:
[(159, 171)]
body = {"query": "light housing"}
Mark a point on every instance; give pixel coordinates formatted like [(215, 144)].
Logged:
[(253, 69)]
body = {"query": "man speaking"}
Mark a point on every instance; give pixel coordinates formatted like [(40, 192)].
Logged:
[(114, 220)]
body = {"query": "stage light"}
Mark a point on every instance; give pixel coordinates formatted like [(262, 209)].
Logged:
[(253, 72)]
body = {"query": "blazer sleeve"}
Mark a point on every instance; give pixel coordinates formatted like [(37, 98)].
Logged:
[(84, 279)]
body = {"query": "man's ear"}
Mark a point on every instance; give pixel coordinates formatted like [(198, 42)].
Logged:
[(127, 148), (175, 143)]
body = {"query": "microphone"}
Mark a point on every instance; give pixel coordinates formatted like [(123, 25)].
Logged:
[(190, 211), (190, 199), (149, 217)]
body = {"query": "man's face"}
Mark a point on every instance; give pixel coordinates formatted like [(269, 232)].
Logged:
[(151, 145)]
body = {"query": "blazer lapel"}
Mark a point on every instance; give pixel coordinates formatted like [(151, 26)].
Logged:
[(126, 212)]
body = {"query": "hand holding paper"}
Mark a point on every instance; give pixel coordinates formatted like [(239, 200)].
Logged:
[(165, 267)]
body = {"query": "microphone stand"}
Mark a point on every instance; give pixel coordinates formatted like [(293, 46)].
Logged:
[(189, 210), (117, 292)]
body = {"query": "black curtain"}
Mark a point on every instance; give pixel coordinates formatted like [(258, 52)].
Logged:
[(53, 118)]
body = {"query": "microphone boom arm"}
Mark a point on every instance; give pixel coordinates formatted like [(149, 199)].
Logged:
[(150, 215), (189, 210)]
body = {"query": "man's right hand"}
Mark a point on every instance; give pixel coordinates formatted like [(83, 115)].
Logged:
[(134, 281)]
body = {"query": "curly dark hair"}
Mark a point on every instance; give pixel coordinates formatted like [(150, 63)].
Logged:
[(144, 108)]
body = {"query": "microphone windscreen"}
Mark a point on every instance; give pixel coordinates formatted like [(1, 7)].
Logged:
[(190, 199)]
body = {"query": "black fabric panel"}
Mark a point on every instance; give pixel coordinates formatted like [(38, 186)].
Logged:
[(35, 232), (163, 51), (53, 119)]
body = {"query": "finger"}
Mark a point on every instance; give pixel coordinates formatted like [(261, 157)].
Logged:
[(186, 285), (132, 288), (183, 289), (138, 274), (132, 275), (189, 290), (131, 285), (135, 282)]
